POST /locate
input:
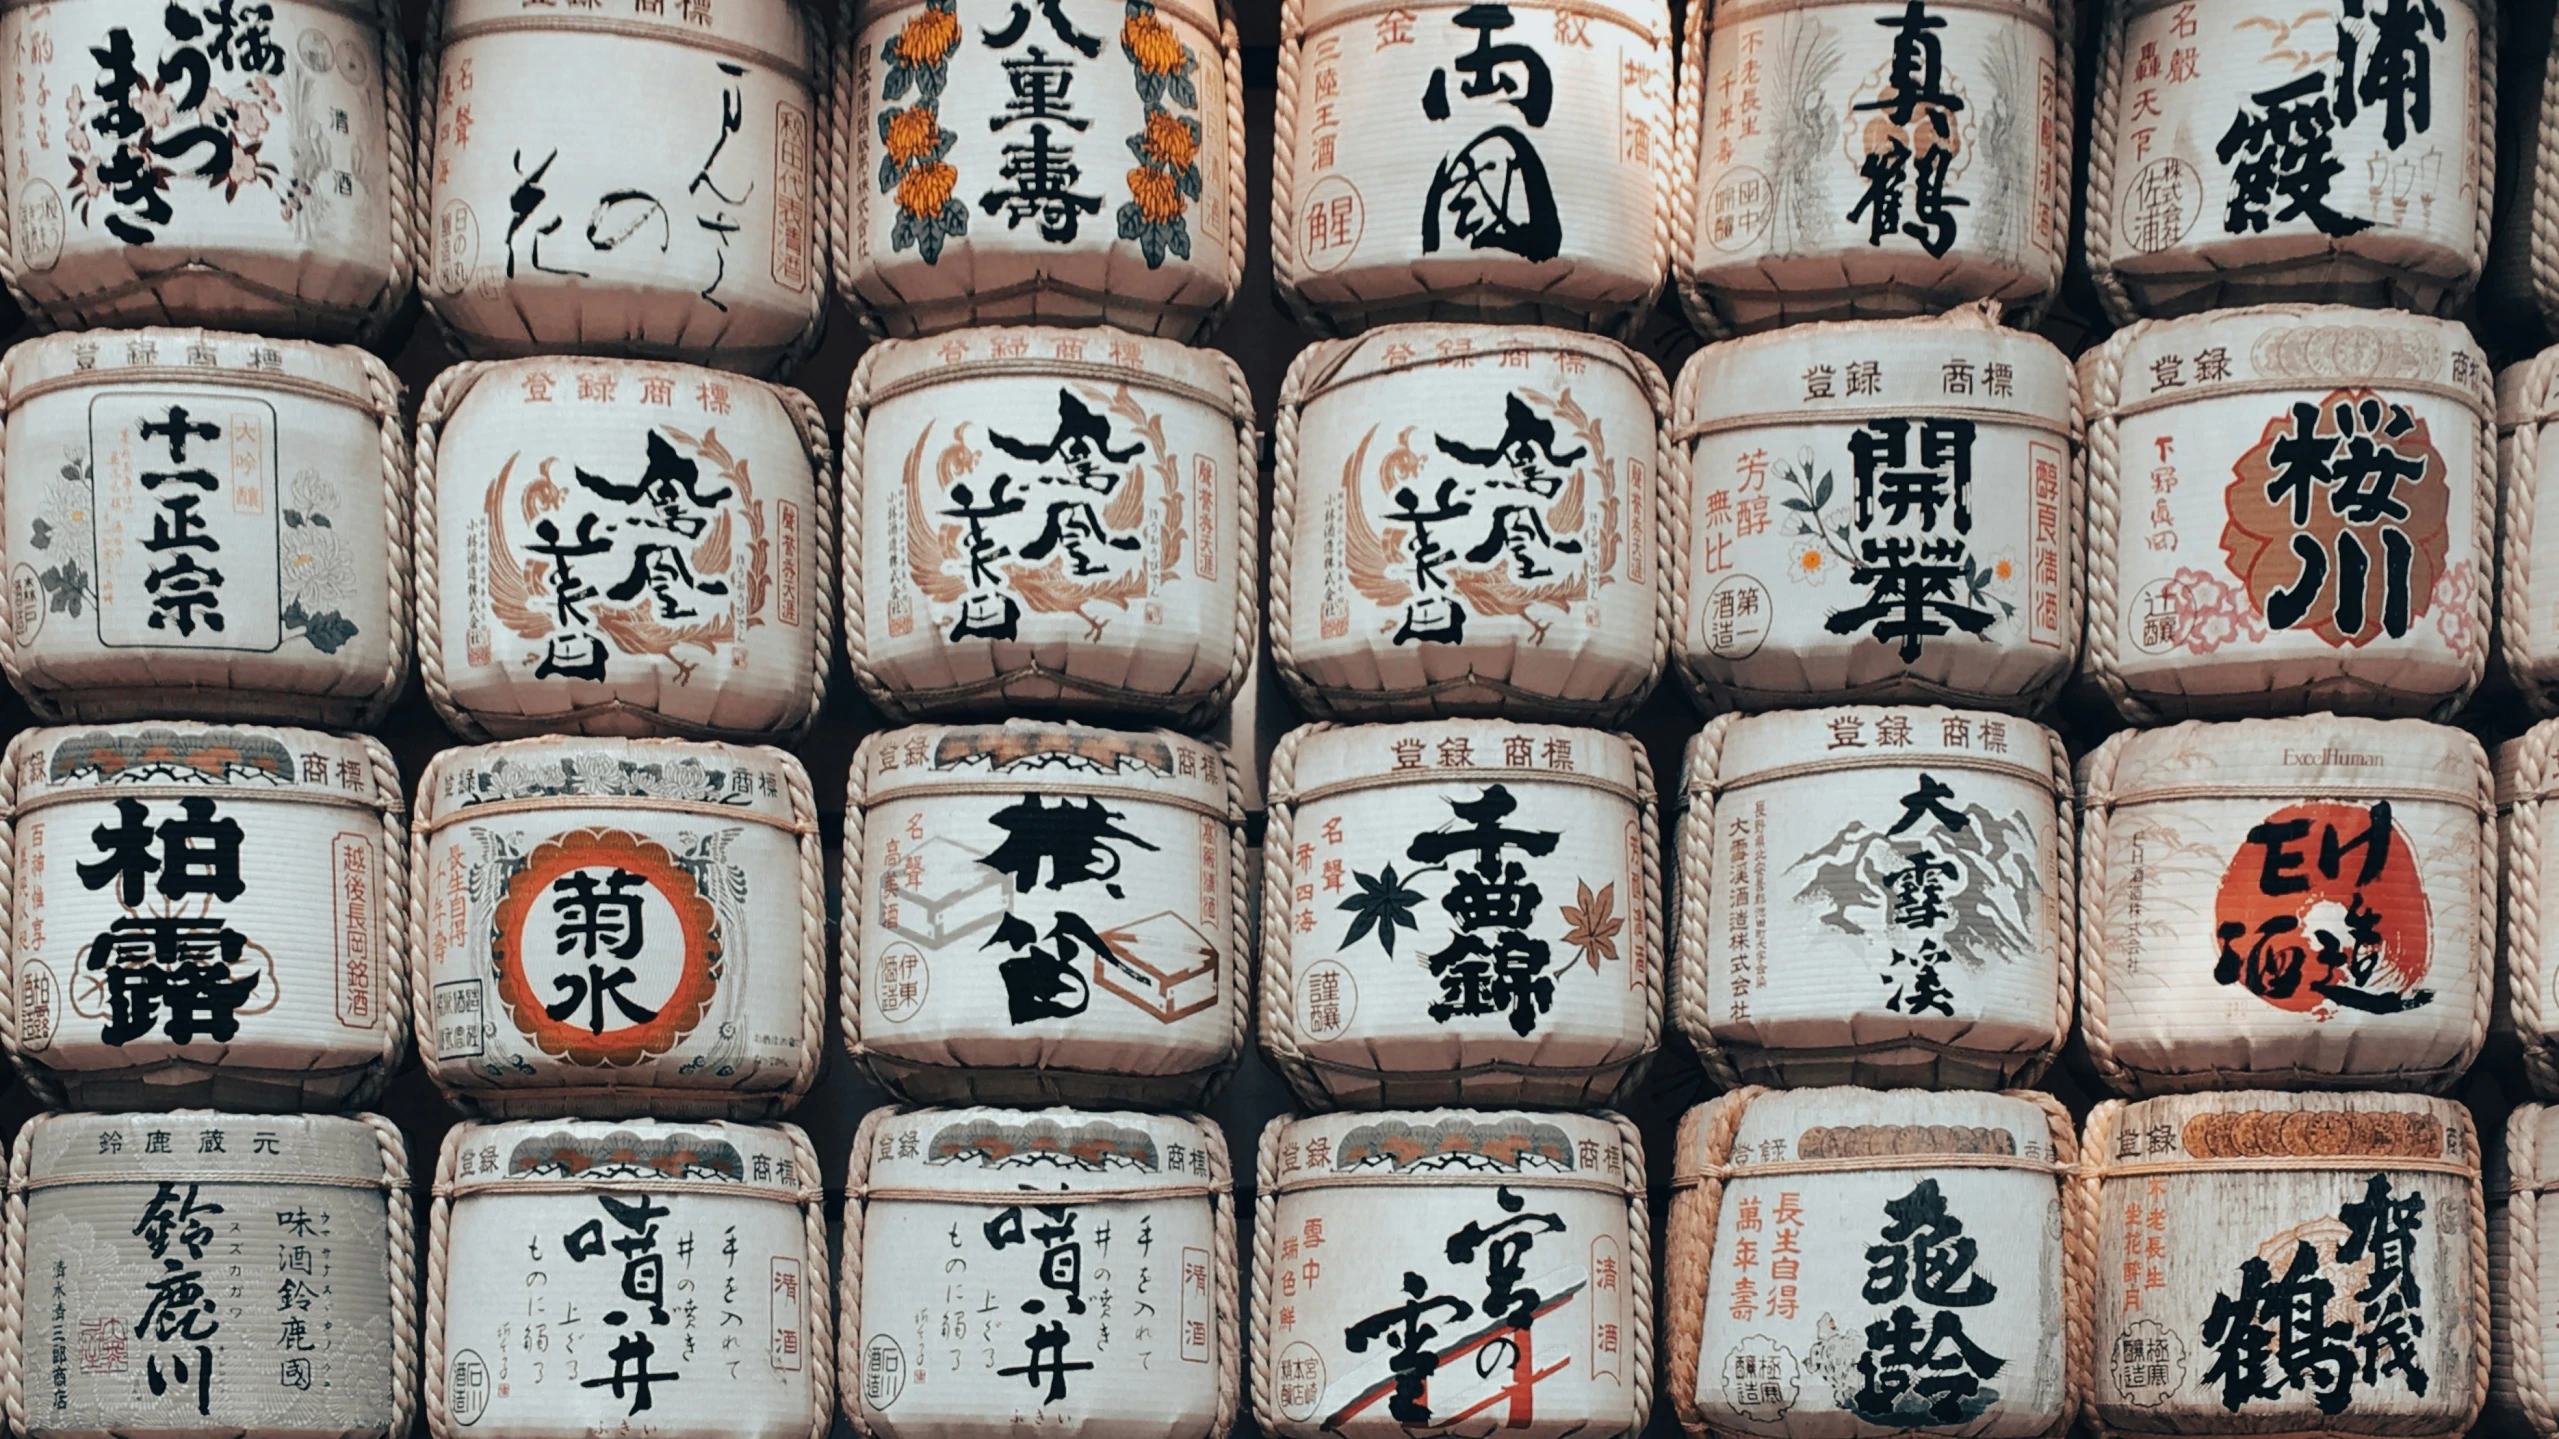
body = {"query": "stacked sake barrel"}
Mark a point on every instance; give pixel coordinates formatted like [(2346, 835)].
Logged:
[(207, 537), (1475, 581), (1051, 572)]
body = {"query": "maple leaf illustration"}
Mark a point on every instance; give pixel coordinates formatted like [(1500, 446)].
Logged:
[(1594, 927), (1384, 901)]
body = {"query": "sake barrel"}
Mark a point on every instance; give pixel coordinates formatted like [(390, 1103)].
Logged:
[(257, 570), (676, 1273), (2307, 902), (2333, 468), (668, 210), (2527, 784), (2361, 1211), (1952, 1308), (204, 164), (1534, 1314), (1936, 172), (2527, 544), (1533, 184), (2326, 153), (1469, 541), (618, 927), (2518, 1182), (198, 1274), (1466, 911), (1105, 1302), (987, 178), (232, 917), (623, 547), (1915, 477), (1105, 567), (1875, 895), (1044, 913)]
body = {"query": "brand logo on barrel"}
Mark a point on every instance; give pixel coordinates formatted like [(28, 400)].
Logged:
[(1490, 1325), (1050, 974), (1493, 963), (170, 962), (1493, 193), (1948, 885), (673, 560), (2323, 910), (2280, 148), (1917, 1366), (2323, 1305), (1905, 141), (606, 950), (1485, 529), (632, 228), (1062, 529), (2338, 519)]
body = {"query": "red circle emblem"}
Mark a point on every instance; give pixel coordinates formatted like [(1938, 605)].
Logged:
[(2322, 910), (624, 949)]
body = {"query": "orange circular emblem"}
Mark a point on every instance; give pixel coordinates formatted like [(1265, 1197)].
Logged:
[(606, 950), (2322, 910)]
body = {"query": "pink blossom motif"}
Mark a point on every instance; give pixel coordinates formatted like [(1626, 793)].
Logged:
[(2454, 590), (157, 109), (86, 184), (249, 122), (244, 168), (2212, 612)]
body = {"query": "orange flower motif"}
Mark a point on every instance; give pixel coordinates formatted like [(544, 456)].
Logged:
[(1159, 198), (1157, 49), (1169, 142), (1594, 923), (912, 134), (928, 37), (926, 189)]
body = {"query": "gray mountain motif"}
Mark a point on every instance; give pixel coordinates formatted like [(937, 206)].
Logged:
[(1988, 899)]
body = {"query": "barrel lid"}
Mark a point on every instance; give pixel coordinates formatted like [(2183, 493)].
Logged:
[(2286, 349), (1334, 758), (2270, 1129), (1812, 744), (173, 355), (1391, 350), (1963, 364), (1846, 1128), (753, 782), (1650, 20), (533, 1156), (2528, 391), (967, 1154), (625, 384), (2297, 758), (1104, 356), (1020, 755), (774, 32), (74, 762), (1440, 1147), (200, 1146)]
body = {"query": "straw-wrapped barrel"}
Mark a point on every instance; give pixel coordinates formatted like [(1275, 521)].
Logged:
[(2308, 902), (623, 547), (1044, 913), (610, 927), (1874, 895), (2336, 472), (204, 523), (1048, 521), (229, 925), (1473, 520), (1104, 1303)]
